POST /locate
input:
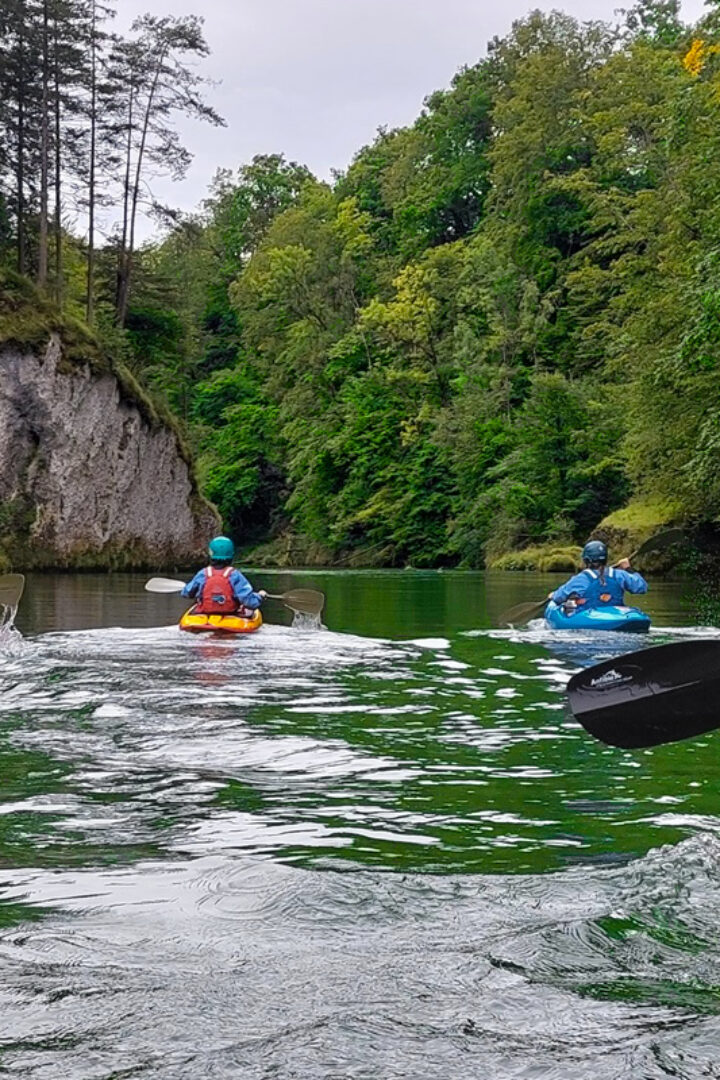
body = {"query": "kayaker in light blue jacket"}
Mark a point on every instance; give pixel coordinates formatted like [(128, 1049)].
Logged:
[(219, 588), (598, 583)]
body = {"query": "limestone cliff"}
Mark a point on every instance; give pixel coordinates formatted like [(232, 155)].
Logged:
[(90, 475)]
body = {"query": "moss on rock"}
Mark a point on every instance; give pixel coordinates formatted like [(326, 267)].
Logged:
[(545, 558), (28, 321), (625, 530)]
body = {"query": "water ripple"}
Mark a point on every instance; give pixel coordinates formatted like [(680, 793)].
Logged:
[(311, 854), (255, 962)]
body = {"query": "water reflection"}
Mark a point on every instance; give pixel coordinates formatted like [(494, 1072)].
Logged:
[(391, 604)]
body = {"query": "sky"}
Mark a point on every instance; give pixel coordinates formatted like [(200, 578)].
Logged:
[(315, 79)]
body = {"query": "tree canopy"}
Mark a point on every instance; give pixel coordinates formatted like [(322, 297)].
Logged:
[(496, 326)]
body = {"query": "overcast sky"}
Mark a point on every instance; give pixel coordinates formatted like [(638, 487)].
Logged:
[(314, 79)]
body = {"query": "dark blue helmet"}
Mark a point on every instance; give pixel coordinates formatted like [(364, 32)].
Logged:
[(595, 552)]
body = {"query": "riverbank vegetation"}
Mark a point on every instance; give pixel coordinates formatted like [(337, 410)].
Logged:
[(499, 326)]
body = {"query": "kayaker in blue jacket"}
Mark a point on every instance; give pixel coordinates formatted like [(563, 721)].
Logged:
[(219, 588), (598, 583)]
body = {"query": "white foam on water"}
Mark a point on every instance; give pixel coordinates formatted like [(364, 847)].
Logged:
[(12, 642), (429, 643)]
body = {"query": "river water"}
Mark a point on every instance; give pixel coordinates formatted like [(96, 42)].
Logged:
[(378, 850)]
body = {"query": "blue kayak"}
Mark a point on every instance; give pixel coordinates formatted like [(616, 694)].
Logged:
[(629, 620)]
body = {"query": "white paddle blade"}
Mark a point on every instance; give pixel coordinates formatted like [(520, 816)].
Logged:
[(164, 585)]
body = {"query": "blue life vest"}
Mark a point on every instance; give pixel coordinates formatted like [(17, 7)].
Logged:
[(602, 590)]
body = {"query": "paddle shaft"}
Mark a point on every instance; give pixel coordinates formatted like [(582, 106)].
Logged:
[(305, 601)]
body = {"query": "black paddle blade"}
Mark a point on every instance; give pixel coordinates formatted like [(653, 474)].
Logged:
[(522, 613), (661, 542), (650, 697)]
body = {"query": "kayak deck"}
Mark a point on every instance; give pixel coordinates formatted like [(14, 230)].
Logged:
[(628, 620), (197, 623)]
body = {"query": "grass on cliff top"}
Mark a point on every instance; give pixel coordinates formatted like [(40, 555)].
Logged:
[(27, 318), (27, 321)]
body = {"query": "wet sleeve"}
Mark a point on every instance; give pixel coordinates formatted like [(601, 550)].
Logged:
[(243, 591), (193, 587), (577, 584), (633, 583)]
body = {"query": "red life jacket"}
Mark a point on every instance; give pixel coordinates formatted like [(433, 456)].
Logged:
[(218, 597)]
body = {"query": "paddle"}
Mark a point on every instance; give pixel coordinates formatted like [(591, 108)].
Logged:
[(650, 697), (11, 589), (305, 601), (164, 585), (522, 613)]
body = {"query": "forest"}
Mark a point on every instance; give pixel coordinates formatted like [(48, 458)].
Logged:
[(494, 328)]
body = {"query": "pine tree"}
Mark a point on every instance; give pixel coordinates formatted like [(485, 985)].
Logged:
[(159, 84), (19, 118), (102, 130)]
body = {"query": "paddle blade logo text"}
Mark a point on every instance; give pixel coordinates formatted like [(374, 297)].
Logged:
[(610, 678)]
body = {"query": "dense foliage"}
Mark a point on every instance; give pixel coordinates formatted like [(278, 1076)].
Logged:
[(497, 326)]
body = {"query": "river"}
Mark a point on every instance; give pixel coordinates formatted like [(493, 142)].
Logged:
[(378, 850)]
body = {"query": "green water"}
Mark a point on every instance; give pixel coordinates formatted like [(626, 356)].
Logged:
[(382, 848)]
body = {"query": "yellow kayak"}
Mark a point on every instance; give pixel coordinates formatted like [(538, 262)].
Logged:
[(222, 624)]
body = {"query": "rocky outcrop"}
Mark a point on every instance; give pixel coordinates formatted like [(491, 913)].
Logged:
[(90, 476)]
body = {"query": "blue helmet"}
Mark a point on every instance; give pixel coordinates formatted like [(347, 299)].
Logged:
[(595, 552), (221, 548)]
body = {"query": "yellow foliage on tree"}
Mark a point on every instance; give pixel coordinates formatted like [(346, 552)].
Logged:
[(696, 57)]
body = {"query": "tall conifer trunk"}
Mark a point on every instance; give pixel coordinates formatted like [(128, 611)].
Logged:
[(124, 290), (90, 303), (122, 254), (20, 162), (44, 153), (58, 166)]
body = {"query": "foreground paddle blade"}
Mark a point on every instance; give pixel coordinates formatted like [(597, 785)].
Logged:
[(11, 589), (164, 584), (306, 601), (522, 613), (650, 697)]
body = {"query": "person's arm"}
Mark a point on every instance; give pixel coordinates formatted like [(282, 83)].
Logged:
[(631, 581), (193, 587), (244, 593), (576, 584)]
